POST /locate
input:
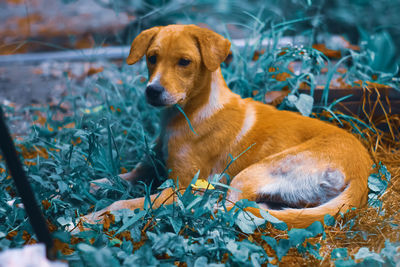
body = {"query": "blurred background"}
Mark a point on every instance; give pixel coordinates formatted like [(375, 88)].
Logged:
[(364, 32), (42, 25), (78, 112)]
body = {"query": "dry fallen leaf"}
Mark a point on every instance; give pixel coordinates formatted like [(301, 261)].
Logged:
[(202, 184)]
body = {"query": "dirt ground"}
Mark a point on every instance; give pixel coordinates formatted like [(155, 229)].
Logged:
[(39, 25), (44, 83), (21, 85), (61, 24)]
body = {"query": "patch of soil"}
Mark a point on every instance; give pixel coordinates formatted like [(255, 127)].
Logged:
[(27, 26)]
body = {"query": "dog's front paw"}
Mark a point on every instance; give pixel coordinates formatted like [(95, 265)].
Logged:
[(94, 217), (94, 185), (99, 217)]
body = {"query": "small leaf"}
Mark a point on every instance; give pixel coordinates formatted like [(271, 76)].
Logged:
[(225, 186), (62, 236), (390, 251), (298, 236), (269, 217), (255, 259), (376, 184), (313, 250), (37, 178), (115, 241), (345, 263), (200, 262), (278, 224), (167, 184), (304, 104), (196, 200), (316, 228), (282, 248), (248, 222), (131, 221), (339, 253), (86, 248), (194, 180), (364, 253), (329, 220), (62, 186), (202, 184), (176, 223)]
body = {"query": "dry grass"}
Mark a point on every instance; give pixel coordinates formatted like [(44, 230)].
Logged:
[(370, 227)]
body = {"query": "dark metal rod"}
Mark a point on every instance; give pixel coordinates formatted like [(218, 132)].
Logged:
[(35, 214)]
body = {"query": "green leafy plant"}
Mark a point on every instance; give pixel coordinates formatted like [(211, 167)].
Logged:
[(107, 127)]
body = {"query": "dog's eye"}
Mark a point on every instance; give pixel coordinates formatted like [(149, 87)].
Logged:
[(183, 62), (152, 59)]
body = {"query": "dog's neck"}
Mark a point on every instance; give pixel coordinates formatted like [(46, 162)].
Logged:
[(213, 95), (216, 95)]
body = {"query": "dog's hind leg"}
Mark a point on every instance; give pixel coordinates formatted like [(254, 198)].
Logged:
[(297, 183), (294, 181)]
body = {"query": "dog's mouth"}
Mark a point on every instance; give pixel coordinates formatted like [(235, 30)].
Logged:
[(164, 100), (157, 96), (157, 102)]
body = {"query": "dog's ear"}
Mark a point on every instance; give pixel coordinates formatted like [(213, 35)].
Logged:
[(214, 48), (141, 44)]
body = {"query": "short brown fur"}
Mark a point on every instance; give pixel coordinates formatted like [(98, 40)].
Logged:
[(227, 124)]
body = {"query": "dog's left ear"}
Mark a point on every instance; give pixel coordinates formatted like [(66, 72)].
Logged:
[(141, 44), (214, 48)]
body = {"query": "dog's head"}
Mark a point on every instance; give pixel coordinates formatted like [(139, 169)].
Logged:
[(179, 57)]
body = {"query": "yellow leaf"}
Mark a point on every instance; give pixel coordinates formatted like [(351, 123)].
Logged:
[(202, 184), (93, 110)]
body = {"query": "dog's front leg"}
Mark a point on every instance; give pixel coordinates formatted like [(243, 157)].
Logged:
[(165, 197)]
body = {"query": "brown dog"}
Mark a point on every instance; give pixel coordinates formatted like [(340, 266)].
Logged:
[(299, 169)]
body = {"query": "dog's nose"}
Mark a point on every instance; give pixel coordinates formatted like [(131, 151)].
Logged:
[(154, 91)]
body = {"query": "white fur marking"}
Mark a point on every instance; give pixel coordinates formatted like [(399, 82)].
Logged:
[(156, 79), (166, 97), (214, 102), (299, 179), (169, 99), (249, 120)]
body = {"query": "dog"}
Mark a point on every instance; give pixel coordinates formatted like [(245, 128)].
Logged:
[(298, 168)]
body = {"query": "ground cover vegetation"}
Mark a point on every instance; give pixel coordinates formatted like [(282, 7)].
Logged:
[(107, 129)]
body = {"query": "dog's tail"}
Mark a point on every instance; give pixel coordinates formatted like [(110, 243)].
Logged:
[(354, 195)]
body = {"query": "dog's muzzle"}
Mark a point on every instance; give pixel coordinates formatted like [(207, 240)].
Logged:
[(154, 95)]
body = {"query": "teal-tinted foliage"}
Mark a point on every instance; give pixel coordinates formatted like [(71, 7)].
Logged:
[(113, 127)]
